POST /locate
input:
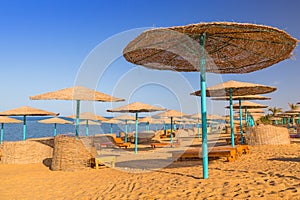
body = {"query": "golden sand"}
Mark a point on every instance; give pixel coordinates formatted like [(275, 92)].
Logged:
[(268, 172)]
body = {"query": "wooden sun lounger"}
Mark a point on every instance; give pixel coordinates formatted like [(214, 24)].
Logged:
[(240, 149), (230, 154), (104, 161), (175, 143), (119, 142)]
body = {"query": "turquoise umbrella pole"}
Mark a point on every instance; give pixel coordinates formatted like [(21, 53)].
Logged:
[(87, 128), (126, 132), (2, 133), (299, 118), (241, 120), (203, 106), (77, 118), (231, 117), (24, 127), (171, 133), (111, 128), (147, 126), (136, 133), (164, 128), (246, 117), (289, 120), (54, 134)]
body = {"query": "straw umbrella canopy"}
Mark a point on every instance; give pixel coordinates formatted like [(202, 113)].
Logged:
[(87, 116), (26, 111), (231, 47), (6, 120), (236, 88), (136, 107), (77, 93), (126, 119), (171, 114), (55, 121), (111, 122)]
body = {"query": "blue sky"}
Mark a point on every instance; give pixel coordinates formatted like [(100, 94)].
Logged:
[(44, 44)]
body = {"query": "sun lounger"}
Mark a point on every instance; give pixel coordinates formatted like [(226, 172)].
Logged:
[(230, 154), (119, 142), (175, 143), (104, 161)]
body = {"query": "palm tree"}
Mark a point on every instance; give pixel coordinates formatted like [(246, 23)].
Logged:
[(275, 111), (293, 106)]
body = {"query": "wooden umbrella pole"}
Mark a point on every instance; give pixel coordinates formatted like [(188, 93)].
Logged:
[(2, 133), (54, 134), (136, 132), (171, 136), (87, 128), (231, 117), (203, 106), (241, 120), (77, 118), (24, 127)]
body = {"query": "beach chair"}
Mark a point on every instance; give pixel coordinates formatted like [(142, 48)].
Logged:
[(120, 143), (175, 143), (104, 161), (229, 154)]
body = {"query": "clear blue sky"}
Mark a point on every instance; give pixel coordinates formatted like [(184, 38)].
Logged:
[(44, 43)]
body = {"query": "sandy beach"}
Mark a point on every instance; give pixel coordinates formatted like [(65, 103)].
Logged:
[(268, 172)]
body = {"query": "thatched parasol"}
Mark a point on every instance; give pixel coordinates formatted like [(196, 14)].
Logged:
[(87, 116), (231, 47), (77, 93), (126, 119), (26, 111), (236, 89), (55, 121), (171, 114), (111, 122), (136, 107), (6, 120)]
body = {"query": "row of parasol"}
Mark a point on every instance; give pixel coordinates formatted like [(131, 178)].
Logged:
[(217, 47)]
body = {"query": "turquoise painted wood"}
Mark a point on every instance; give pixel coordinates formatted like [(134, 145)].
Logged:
[(241, 121), (246, 117), (203, 105), (231, 117), (87, 128), (136, 133), (289, 121), (77, 118), (171, 135), (111, 128), (54, 134), (2, 133), (24, 127)]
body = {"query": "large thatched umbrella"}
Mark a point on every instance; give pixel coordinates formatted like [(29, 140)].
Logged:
[(55, 121), (236, 88), (6, 120), (240, 98), (247, 105), (87, 116), (136, 108), (126, 119), (111, 122), (171, 114), (228, 48), (77, 93), (26, 111)]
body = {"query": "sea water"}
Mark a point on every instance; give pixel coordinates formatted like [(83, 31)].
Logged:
[(34, 129)]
